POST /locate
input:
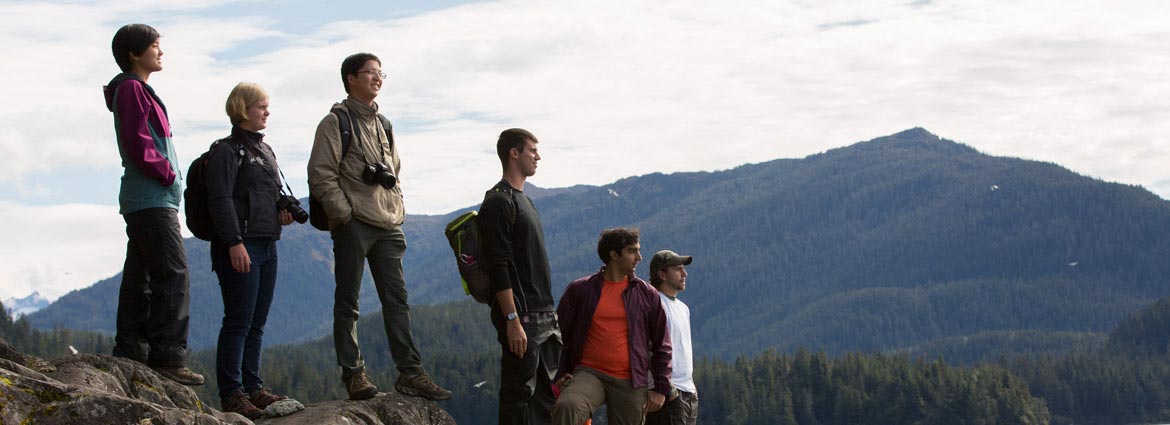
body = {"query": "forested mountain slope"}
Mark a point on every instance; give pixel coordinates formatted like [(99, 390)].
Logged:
[(902, 241)]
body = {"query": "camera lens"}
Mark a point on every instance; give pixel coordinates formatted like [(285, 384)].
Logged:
[(293, 206), (379, 174)]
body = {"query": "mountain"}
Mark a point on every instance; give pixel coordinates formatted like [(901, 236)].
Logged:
[(1144, 333), (303, 304), (24, 306), (908, 240)]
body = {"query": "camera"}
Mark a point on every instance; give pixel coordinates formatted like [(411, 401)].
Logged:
[(379, 174), (293, 206)]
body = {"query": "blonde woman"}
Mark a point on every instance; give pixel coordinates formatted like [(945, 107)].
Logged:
[(243, 189)]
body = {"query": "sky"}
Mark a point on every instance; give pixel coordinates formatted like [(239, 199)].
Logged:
[(611, 88)]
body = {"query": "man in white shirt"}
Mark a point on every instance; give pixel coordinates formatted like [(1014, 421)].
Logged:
[(668, 274)]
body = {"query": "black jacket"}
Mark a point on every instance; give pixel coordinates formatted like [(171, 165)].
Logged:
[(242, 189)]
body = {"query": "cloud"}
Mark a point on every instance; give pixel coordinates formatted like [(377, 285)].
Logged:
[(55, 249), (614, 88)]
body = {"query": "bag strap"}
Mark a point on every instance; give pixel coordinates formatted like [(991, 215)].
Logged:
[(239, 148), (517, 297), (346, 126)]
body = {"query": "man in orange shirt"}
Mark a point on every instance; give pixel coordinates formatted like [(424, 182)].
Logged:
[(616, 345)]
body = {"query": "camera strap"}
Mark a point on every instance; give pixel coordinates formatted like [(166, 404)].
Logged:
[(258, 153), (356, 130)]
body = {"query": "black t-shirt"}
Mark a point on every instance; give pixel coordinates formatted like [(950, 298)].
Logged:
[(512, 241)]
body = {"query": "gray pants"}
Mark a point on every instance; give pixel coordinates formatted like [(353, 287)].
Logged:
[(526, 396), (683, 410), (353, 244)]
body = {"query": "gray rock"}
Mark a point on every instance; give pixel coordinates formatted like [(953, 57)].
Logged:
[(284, 407), (93, 389), (101, 389), (8, 353), (383, 409)]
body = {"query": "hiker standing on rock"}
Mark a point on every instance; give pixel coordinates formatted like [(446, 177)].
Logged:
[(357, 186), (668, 274), (243, 177), (617, 349), (523, 313), (153, 302)]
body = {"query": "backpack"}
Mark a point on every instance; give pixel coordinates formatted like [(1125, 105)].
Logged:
[(317, 215), (195, 195), (463, 236)]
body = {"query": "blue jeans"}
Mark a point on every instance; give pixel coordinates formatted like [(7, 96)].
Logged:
[(246, 300)]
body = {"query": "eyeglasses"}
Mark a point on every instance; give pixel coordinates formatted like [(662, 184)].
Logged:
[(379, 74)]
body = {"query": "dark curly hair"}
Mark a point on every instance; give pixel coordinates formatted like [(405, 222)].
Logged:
[(614, 240)]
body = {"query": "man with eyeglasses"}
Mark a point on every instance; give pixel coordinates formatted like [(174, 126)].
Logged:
[(357, 187)]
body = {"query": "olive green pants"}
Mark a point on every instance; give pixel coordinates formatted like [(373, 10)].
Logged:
[(354, 244)]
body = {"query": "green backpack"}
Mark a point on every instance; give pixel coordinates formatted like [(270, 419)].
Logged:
[(463, 235)]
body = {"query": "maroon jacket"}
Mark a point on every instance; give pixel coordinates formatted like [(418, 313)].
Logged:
[(649, 340)]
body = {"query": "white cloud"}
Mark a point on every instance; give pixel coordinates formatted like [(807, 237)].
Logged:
[(620, 88), (55, 249)]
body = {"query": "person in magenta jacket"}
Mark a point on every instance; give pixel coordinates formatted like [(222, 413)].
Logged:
[(153, 304)]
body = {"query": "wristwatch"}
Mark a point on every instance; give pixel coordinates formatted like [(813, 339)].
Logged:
[(511, 316)]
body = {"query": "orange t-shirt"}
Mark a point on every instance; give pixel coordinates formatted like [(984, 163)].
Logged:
[(607, 346)]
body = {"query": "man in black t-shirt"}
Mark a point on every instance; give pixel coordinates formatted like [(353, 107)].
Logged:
[(523, 311)]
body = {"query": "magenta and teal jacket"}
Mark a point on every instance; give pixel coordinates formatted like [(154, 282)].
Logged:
[(151, 178)]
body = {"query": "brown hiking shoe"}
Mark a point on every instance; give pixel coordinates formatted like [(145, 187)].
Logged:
[(421, 385), (181, 375), (359, 387), (239, 403), (261, 398)]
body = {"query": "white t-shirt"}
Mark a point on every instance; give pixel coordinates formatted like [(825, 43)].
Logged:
[(678, 319)]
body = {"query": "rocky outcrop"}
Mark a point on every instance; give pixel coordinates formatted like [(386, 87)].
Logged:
[(386, 408), (93, 389), (101, 389)]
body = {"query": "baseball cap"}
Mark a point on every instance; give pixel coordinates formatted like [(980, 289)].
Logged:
[(666, 258)]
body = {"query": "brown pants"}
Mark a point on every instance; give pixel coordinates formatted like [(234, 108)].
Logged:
[(589, 389)]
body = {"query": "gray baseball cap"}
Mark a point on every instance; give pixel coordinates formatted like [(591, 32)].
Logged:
[(666, 258)]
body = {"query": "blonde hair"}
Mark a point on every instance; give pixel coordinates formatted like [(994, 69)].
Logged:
[(241, 97)]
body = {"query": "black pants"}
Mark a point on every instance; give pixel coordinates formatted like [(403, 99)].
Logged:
[(526, 395), (683, 410), (153, 306)]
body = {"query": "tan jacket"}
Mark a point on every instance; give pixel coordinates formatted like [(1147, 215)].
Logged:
[(337, 182)]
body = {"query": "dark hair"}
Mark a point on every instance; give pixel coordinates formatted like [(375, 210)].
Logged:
[(512, 138), (615, 239), (353, 64), (132, 38)]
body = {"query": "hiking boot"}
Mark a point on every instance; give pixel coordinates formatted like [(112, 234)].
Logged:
[(359, 387), (181, 375), (238, 403), (261, 398), (421, 385)]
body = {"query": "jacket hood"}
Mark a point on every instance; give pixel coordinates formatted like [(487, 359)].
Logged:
[(112, 86)]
